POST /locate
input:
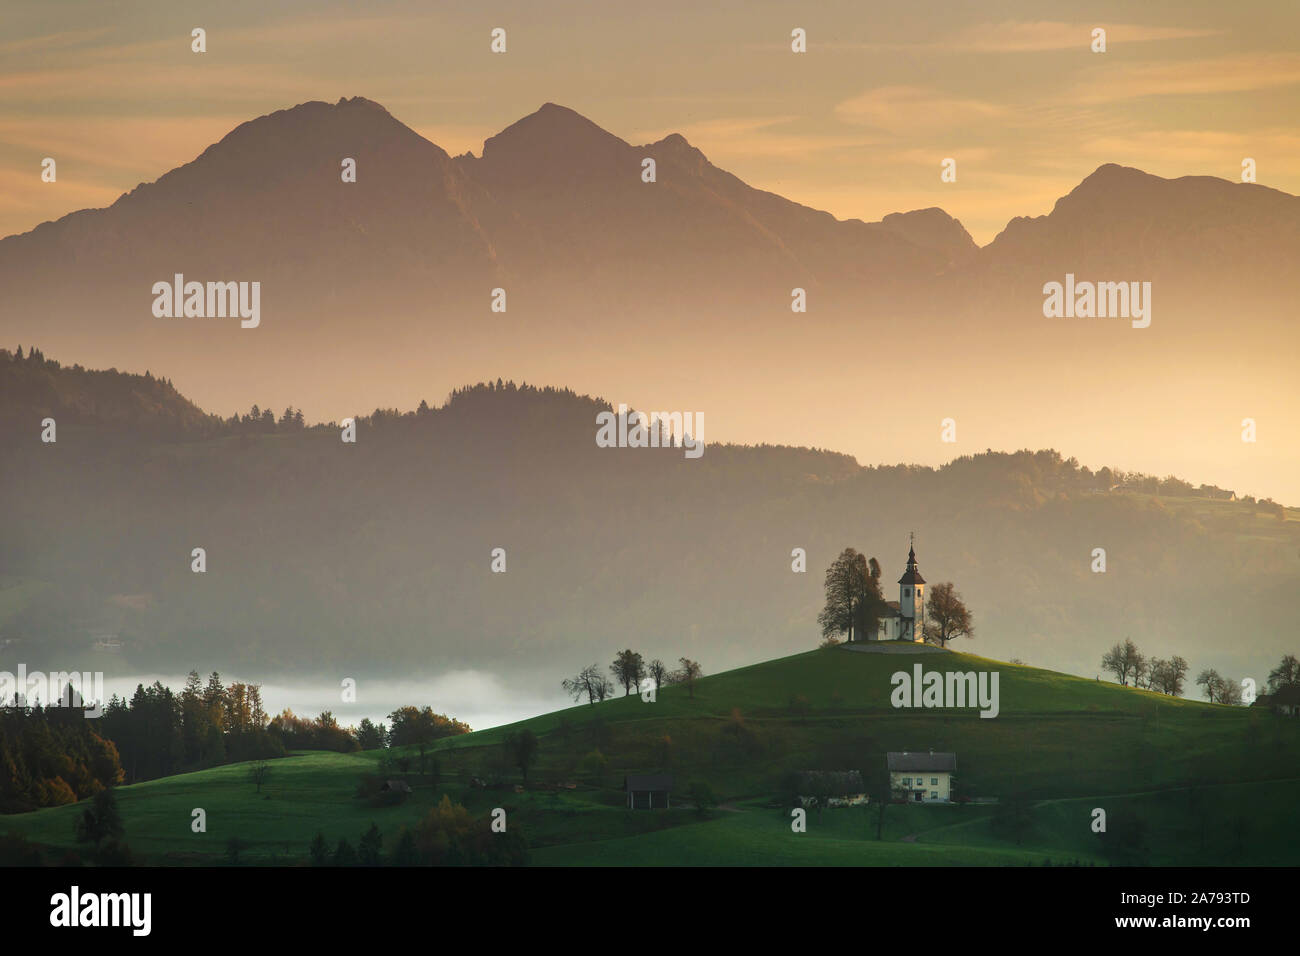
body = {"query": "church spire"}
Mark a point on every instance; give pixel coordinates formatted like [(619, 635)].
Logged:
[(912, 575)]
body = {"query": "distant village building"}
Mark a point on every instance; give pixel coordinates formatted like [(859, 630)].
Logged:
[(395, 786), (906, 619), (924, 777), (1285, 702), (648, 791), (105, 640), (839, 788)]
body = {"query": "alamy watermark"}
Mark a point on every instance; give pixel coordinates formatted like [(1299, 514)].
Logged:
[(128, 910), (1087, 300), (213, 300), (624, 429), (82, 690), (946, 689)]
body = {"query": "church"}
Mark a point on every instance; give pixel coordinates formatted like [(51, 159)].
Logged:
[(906, 617)]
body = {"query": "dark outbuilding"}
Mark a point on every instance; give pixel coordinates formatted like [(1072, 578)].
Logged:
[(648, 791)]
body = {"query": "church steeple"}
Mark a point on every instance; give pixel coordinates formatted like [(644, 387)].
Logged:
[(911, 599), (911, 575)]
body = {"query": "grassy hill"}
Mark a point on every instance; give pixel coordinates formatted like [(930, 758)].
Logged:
[(1181, 782)]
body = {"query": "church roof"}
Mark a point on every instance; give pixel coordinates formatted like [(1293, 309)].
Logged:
[(911, 575)]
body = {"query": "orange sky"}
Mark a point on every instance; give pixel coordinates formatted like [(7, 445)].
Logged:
[(858, 125)]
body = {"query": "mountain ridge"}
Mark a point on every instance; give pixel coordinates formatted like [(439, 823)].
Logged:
[(552, 116), (695, 291)]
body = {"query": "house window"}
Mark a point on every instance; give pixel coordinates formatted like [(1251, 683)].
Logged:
[(907, 781), (934, 794), (934, 781)]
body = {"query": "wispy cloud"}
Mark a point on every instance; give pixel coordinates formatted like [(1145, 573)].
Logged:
[(1021, 36), (1226, 74), (54, 41), (912, 107), (1027, 36)]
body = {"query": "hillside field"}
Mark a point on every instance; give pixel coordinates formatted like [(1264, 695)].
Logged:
[(1182, 782)]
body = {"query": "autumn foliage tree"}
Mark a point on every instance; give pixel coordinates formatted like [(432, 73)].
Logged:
[(946, 615), (853, 600)]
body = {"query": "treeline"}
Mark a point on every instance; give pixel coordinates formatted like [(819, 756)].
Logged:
[(1047, 472), (414, 726), (50, 756), (33, 387), (263, 421), (159, 732), (1128, 663), (446, 836), (32, 383)]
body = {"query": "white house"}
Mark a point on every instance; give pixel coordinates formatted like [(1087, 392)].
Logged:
[(907, 617), (924, 777)]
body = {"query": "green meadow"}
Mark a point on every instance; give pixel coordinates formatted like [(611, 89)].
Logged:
[(1180, 782)]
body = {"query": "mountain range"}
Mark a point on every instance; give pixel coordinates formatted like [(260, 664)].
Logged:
[(677, 293), (554, 198)]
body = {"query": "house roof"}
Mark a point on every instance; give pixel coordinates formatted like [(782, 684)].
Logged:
[(648, 781), (1286, 694), (922, 761)]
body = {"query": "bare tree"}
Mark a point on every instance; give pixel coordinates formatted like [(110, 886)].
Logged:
[(590, 682), (1166, 676), (1141, 671), (1121, 660), (658, 671), (688, 673), (1230, 692), (1213, 684), (1175, 674)]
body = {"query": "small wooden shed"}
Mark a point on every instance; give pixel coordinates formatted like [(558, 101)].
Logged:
[(648, 791)]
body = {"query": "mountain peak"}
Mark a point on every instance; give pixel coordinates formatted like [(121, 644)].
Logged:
[(551, 125), (932, 228), (1112, 177), (553, 143), (360, 101)]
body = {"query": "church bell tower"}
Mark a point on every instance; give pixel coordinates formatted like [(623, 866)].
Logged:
[(911, 600)]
